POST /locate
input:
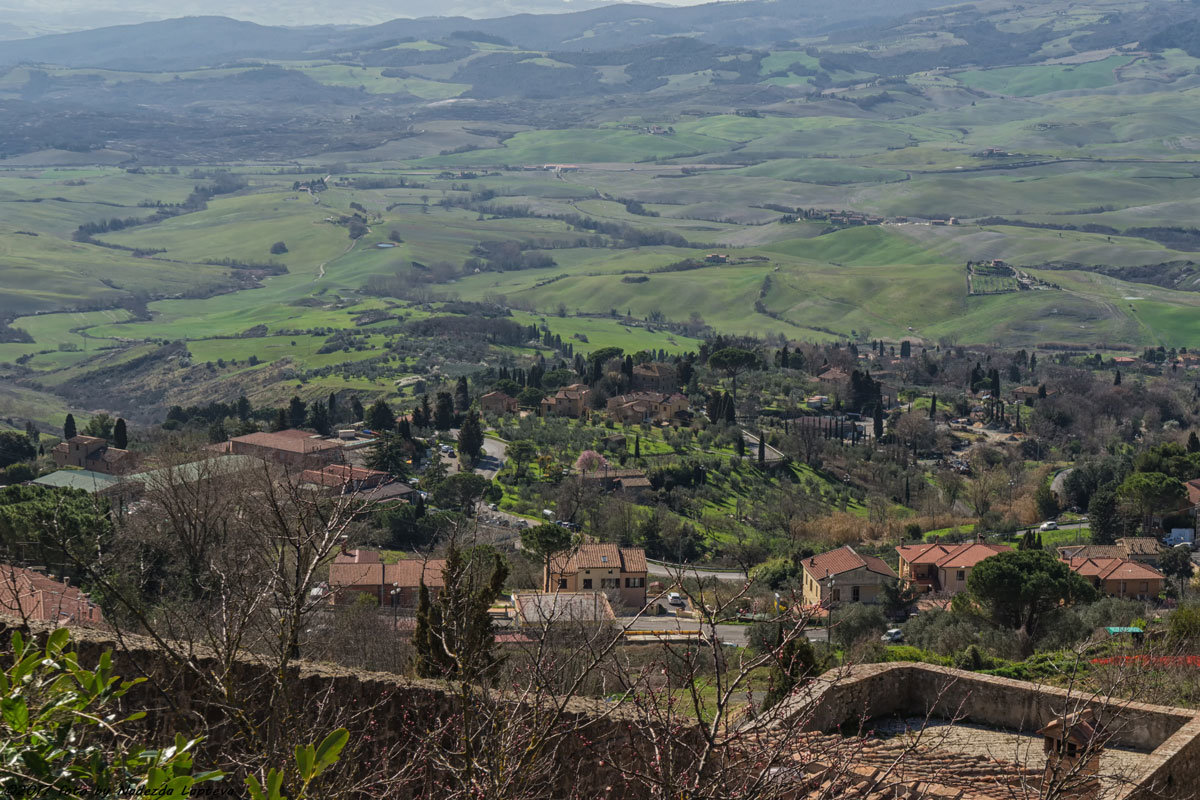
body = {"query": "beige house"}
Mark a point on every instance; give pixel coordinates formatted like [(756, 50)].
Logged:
[(940, 567), (498, 404), (570, 401), (619, 572), (92, 453), (642, 407), (655, 377), (843, 576)]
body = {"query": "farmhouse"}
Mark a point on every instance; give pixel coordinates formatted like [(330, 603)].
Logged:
[(94, 454), (617, 571), (646, 407), (655, 377), (939, 567), (843, 575), (497, 403), (354, 573), (569, 401), (833, 375)]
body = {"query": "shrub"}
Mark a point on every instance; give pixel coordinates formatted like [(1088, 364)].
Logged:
[(278, 249)]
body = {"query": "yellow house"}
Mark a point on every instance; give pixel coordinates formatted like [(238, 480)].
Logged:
[(843, 576)]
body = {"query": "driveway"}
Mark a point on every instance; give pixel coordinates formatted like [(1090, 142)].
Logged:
[(491, 462)]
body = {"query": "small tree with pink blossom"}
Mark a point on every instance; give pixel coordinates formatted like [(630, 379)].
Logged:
[(590, 461)]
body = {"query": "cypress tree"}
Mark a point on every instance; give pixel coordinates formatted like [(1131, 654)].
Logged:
[(877, 421), (69, 430), (120, 435), (1193, 443), (281, 420), (356, 408), (1117, 378), (637, 446), (933, 406), (333, 409), (762, 449)]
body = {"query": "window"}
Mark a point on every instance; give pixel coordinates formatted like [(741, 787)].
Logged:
[(1122, 588), (562, 583), (962, 575), (836, 595), (635, 583), (854, 594), (1145, 587), (610, 583), (587, 583)]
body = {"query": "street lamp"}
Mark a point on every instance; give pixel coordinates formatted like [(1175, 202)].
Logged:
[(830, 581), (394, 593)]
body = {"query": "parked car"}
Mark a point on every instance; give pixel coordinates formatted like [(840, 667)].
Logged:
[(893, 636), (1048, 525), (673, 599)]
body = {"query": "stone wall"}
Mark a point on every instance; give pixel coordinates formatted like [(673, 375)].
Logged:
[(849, 699)]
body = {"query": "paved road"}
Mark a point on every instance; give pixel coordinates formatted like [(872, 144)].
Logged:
[(491, 462), (734, 634), (670, 571), (770, 454)]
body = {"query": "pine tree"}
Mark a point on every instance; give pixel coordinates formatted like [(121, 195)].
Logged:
[(443, 415), (69, 430), (470, 437), (455, 637), (297, 411), (120, 435), (318, 418), (462, 395), (380, 417)]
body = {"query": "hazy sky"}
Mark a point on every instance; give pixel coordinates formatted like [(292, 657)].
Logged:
[(21, 18)]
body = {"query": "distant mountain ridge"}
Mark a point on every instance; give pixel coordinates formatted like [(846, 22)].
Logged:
[(193, 42)]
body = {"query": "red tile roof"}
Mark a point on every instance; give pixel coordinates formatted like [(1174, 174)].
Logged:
[(600, 556), (950, 556), (30, 594), (1113, 569), (363, 568), (844, 559), (1193, 490)]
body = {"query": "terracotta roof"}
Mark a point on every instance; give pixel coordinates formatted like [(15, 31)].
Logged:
[(1119, 569), (833, 374), (91, 441), (31, 594), (600, 556), (357, 569), (1193, 490), (956, 556), (292, 441), (1141, 545), (844, 559), (657, 370), (1081, 551)]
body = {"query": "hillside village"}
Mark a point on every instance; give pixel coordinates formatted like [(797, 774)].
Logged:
[(830, 506)]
